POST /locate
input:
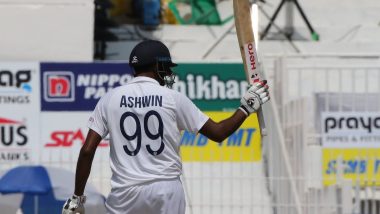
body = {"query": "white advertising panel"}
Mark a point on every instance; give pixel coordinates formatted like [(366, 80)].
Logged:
[(357, 129), (19, 111), (18, 135), (62, 136), (19, 86)]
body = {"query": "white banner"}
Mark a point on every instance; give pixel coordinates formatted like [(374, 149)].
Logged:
[(63, 134), (351, 129), (19, 85), (19, 111)]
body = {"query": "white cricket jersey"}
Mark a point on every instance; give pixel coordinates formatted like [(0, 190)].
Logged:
[(144, 120)]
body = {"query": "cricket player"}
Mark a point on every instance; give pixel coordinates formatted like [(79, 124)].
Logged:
[(144, 121)]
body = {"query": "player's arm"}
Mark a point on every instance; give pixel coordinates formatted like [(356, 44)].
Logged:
[(84, 163), (252, 101), (86, 156), (221, 130), (97, 124)]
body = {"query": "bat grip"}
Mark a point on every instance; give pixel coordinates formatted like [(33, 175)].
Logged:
[(260, 116)]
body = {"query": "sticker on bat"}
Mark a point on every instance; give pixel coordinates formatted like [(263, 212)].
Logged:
[(251, 62)]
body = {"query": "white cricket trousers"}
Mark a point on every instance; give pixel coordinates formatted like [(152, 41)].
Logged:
[(159, 197)]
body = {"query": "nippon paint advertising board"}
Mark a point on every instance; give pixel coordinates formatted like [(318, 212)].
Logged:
[(19, 111), (351, 146), (79, 86)]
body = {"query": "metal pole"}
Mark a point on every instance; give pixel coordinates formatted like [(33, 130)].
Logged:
[(289, 18), (314, 34), (272, 20)]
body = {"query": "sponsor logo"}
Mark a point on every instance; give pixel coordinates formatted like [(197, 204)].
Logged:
[(251, 61), (135, 60), (79, 86), (244, 145), (252, 58), (357, 123), (14, 99), (97, 85), (12, 133), (350, 166), (15, 86), (197, 87), (241, 138), (356, 164), (67, 139), (351, 129), (19, 80), (13, 140), (59, 86)]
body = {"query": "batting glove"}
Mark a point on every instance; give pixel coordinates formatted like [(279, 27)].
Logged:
[(74, 205), (255, 97)]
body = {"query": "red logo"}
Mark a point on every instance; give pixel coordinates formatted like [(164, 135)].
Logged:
[(59, 86), (8, 122), (68, 138), (251, 59), (252, 56)]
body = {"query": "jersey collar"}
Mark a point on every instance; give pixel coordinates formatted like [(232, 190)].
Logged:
[(144, 79)]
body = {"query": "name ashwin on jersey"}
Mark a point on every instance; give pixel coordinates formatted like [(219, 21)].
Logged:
[(140, 102)]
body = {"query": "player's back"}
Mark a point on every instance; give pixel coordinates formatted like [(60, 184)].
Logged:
[(144, 136)]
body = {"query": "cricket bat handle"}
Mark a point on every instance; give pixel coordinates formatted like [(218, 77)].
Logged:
[(260, 116)]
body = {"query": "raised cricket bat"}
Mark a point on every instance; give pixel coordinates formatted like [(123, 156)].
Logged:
[(244, 31)]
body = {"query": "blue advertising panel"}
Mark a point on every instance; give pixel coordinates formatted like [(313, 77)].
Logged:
[(79, 86)]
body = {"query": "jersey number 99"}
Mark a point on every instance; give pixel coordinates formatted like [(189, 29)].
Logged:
[(137, 134)]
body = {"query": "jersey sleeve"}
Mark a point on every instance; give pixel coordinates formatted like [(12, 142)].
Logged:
[(98, 120), (189, 117)]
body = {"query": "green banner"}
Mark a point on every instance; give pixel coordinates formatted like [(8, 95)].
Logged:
[(212, 86)]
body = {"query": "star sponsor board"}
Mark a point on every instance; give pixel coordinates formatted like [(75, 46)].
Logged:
[(79, 86), (61, 139), (67, 134), (69, 137)]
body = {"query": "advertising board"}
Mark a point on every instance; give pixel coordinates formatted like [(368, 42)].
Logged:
[(19, 111), (242, 146), (79, 86)]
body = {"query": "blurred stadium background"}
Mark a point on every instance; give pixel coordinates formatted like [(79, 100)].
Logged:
[(322, 152)]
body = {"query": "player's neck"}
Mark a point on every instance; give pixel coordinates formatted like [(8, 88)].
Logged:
[(146, 74)]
